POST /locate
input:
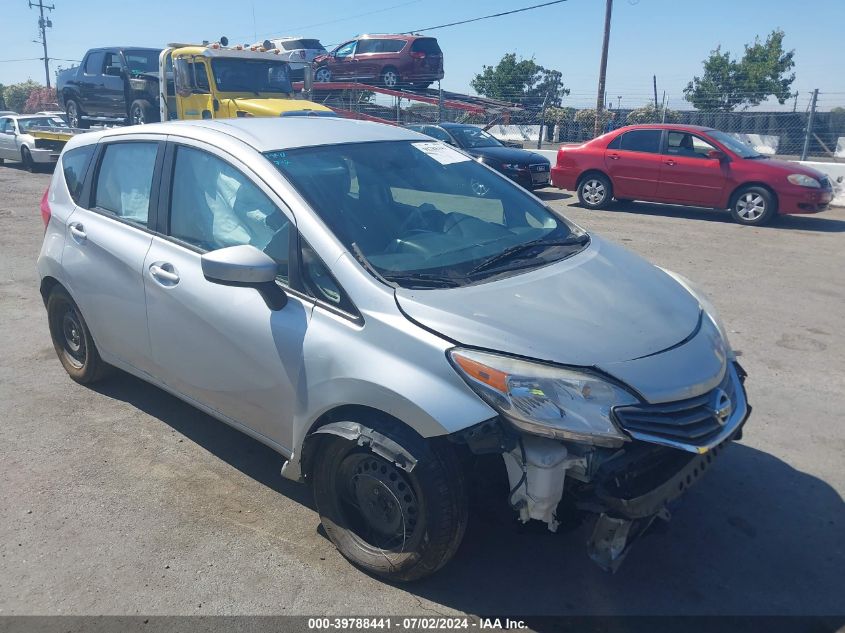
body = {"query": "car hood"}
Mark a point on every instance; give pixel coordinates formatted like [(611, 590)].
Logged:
[(787, 167), (263, 107), (604, 305), (508, 155)]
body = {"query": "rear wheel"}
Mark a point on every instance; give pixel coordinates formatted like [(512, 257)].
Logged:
[(595, 191), (26, 159), (390, 78), (397, 524), (141, 112), (72, 339), (74, 115), (753, 206), (323, 74)]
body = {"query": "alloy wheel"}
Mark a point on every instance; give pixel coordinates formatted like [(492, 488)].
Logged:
[(72, 114), (138, 116), (390, 78), (593, 191), (323, 75), (750, 206)]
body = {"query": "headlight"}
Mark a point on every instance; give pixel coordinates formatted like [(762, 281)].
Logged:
[(512, 166), (803, 180), (706, 305), (544, 400)]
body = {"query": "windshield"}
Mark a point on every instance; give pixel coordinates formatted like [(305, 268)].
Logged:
[(423, 214), (140, 61), (40, 121), (251, 75), (471, 137), (739, 148)]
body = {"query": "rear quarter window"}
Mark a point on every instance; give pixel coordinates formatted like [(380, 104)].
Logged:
[(74, 167), (426, 45)]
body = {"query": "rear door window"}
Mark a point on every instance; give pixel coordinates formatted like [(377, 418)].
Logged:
[(641, 141), (124, 181), (391, 46), (74, 166)]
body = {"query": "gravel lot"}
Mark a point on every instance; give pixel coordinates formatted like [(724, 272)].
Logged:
[(123, 500)]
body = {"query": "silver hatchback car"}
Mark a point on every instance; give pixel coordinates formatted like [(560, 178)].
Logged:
[(387, 314)]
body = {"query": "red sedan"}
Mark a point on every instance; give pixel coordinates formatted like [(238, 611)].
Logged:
[(688, 164)]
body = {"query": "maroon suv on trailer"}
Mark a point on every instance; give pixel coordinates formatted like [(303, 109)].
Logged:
[(389, 60)]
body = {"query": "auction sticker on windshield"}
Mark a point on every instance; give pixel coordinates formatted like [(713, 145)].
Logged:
[(441, 152)]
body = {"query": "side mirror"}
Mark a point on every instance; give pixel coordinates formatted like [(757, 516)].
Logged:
[(245, 265), (716, 154)]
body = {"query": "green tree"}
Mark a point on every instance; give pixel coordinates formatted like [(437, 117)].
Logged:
[(587, 118), (3, 105), (17, 94), (727, 83), (649, 114), (521, 81)]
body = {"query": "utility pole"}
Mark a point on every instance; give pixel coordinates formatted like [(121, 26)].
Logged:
[(809, 132), (603, 67), (654, 77), (542, 122), (43, 23)]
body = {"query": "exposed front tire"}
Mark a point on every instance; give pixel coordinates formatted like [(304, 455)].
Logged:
[(595, 191), (74, 115), (396, 524), (390, 78), (753, 206), (141, 112), (26, 159), (72, 339), (323, 74)]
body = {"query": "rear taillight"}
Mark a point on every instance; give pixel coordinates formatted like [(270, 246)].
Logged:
[(417, 54), (45, 208)]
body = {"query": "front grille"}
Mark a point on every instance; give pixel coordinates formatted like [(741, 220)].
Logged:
[(692, 421)]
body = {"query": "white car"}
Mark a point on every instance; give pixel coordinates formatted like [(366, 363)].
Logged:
[(16, 142), (297, 51)]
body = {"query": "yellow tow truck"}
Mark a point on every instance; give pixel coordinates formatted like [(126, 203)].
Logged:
[(214, 81)]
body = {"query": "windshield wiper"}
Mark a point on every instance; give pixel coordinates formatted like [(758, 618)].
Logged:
[(425, 280), (510, 253)]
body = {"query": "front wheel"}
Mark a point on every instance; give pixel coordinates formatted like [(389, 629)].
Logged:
[(595, 191), (72, 339), (26, 159), (396, 524), (141, 112), (753, 206)]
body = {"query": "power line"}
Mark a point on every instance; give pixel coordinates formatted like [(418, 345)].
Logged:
[(484, 17)]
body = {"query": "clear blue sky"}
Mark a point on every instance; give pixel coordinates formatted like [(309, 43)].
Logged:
[(669, 38)]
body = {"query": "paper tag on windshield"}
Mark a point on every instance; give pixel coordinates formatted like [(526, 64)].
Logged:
[(441, 152)]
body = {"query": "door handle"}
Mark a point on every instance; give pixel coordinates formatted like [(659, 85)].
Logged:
[(613, 156), (77, 230), (669, 162), (160, 272)]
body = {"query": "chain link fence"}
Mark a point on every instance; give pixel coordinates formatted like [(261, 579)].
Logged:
[(816, 133)]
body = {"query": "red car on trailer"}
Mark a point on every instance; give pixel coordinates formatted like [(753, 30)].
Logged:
[(689, 165)]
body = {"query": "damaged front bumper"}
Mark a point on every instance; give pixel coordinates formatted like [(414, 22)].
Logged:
[(626, 488)]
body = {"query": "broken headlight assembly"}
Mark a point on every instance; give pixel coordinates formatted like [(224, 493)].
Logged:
[(555, 402)]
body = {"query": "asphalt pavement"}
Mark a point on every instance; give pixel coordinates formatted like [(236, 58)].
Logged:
[(120, 499)]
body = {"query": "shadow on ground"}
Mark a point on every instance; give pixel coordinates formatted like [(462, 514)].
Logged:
[(756, 536), (815, 222)]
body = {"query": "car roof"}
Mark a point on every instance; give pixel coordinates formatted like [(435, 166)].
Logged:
[(274, 133), (391, 36), (665, 126)]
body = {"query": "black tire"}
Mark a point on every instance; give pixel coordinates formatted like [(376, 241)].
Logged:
[(74, 115), (753, 206), (390, 78), (141, 112), (413, 522), (26, 160), (2, 160), (72, 339), (595, 191), (323, 74)]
